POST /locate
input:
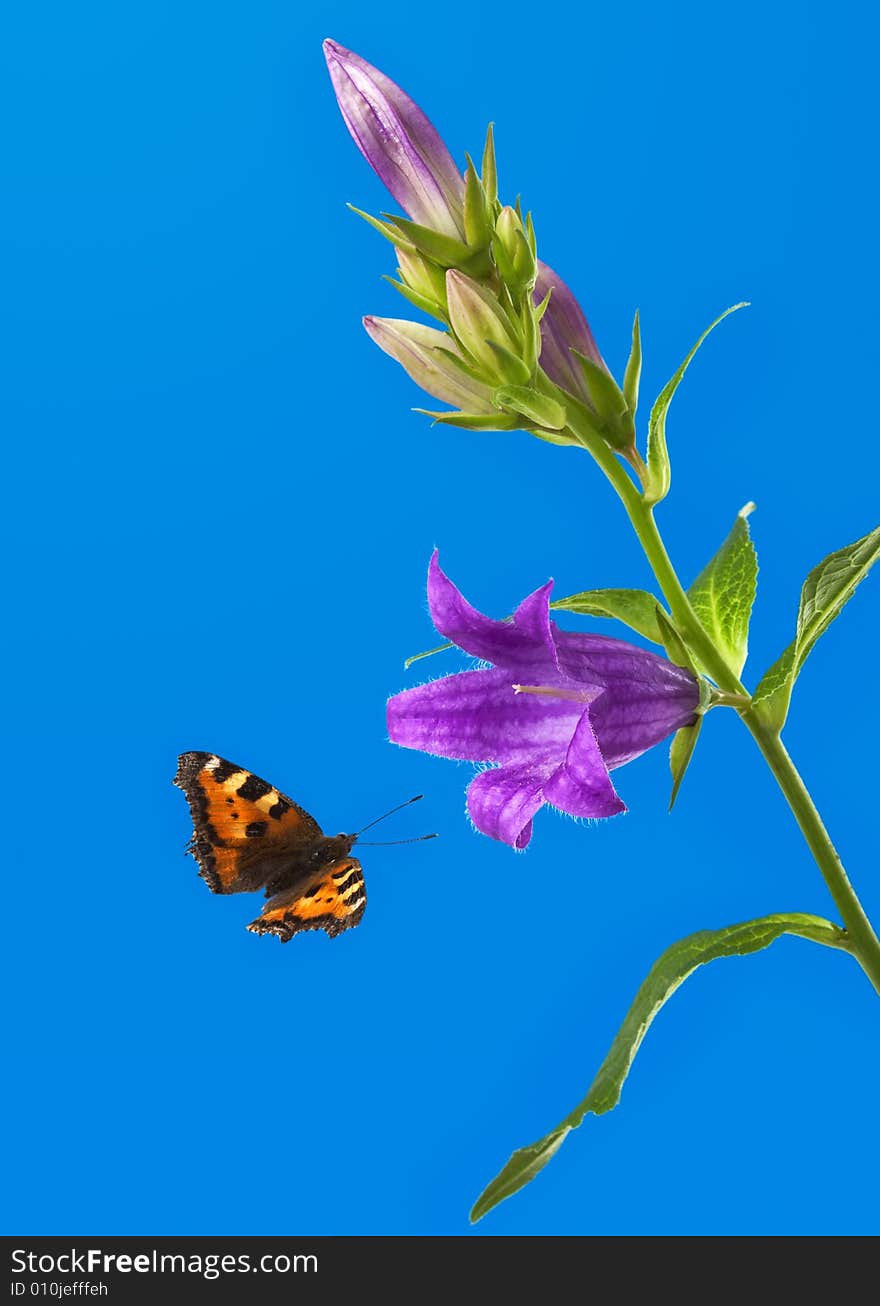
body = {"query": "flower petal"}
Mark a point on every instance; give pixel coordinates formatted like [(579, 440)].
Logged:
[(398, 141), (646, 699), (582, 785), (563, 328), (475, 715), (524, 645), (501, 802), (423, 352)]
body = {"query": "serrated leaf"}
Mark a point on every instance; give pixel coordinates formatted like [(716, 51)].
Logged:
[(635, 608), (659, 472), (723, 593), (664, 977), (681, 750), (826, 591)]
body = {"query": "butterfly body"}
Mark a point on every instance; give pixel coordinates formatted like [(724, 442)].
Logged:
[(248, 836)]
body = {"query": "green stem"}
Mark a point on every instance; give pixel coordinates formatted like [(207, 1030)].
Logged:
[(865, 945)]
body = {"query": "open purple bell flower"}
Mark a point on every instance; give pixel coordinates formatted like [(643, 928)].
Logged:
[(555, 713)]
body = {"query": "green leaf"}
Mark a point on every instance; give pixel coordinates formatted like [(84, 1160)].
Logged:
[(632, 375), (659, 471), (825, 592), (519, 1171), (681, 750), (635, 608), (723, 593), (664, 977)]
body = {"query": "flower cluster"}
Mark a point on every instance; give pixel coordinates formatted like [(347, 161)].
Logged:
[(515, 349)]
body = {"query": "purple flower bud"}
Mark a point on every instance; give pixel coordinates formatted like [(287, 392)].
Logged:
[(563, 328), (557, 711), (399, 142), (429, 357)]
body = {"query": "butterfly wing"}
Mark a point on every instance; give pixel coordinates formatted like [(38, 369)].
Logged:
[(334, 901), (244, 830)]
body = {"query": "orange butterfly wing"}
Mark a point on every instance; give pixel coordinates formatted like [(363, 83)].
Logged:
[(334, 901), (244, 828)]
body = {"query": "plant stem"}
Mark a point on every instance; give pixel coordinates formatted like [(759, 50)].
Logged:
[(865, 945)]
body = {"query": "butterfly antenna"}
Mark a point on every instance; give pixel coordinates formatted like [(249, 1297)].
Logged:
[(391, 842), (399, 808)]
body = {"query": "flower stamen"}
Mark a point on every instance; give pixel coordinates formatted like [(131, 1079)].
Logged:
[(554, 691)]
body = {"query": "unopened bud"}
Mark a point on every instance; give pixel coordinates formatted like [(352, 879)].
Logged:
[(513, 253), (484, 330)]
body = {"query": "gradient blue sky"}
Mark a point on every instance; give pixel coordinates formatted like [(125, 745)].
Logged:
[(218, 512)]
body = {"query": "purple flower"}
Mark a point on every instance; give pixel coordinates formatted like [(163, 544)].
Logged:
[(563, 328), (555, 713), (399, 142)]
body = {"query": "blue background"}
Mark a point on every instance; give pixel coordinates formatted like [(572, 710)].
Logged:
[(218, 511)]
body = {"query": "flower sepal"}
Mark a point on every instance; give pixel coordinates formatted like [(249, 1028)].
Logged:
[(446, 251), (608, 402), (681, 750), (538, 408), (474, 421), (508, 366), (421, 302), (391, 234), (673, 643)]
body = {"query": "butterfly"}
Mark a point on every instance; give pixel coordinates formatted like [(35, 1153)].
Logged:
[(247, 835)]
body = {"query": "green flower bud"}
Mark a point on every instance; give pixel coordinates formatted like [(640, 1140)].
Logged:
[(483, 329), (424, 278), (513, 253)]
